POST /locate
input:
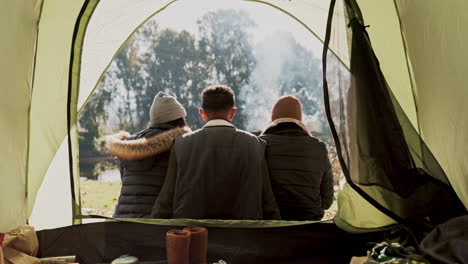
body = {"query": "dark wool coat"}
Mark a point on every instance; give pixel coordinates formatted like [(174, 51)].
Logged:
[(144, 158), (217, 172), (300, 172)]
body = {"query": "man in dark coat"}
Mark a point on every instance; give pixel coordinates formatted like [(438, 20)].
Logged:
[(144, 157), (300, 171), (219, 171)]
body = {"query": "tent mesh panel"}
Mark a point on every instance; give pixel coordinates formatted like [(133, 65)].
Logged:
[(382, 155)]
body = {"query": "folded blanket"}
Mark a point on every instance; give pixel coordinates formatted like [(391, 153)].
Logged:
[(2, 235), (20, 246)]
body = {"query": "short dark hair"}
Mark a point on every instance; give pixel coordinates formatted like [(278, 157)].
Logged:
[(177, 123), (174, 123), (217, 98)]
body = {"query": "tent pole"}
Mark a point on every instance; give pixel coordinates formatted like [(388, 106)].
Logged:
[(81, 24)]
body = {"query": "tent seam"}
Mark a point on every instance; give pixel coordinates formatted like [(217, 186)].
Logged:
[(30, 107)]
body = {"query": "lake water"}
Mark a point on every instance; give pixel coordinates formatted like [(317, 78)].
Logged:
[(110, 176)]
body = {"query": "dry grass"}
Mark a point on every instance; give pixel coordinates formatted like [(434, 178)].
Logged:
[(99, 198)]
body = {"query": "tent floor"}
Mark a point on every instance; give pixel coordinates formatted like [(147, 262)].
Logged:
[(103, 242)]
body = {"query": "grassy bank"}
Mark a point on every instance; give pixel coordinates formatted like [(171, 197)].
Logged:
[(99, 197)]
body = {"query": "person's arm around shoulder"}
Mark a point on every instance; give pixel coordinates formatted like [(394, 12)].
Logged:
[(270, 207), (163, 207), (326, 186)]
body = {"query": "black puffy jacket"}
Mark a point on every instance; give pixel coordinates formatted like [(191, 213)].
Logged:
[(300, 172), (143, 159)]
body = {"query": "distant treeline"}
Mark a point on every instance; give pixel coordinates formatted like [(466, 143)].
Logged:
[(183, 63)]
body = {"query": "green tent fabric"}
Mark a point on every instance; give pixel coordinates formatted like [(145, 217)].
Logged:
[(18, 47), (35, 73), (54, 52), (383, 155), (421, 46)]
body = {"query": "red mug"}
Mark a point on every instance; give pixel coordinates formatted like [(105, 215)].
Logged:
[(198, 244), (178, 246)]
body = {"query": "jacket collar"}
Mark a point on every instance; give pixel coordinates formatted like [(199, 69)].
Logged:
[(287, 120), (218, 123)]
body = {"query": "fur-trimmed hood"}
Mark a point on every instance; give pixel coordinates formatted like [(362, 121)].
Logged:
[(142, 147)]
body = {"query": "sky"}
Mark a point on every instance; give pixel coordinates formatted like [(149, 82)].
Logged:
[(183, 14)]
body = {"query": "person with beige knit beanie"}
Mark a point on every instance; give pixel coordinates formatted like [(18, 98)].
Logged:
[(144, 156), (300, 171)]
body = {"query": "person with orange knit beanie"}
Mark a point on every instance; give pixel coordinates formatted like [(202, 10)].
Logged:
[(300, 171)]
